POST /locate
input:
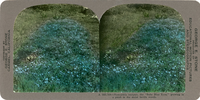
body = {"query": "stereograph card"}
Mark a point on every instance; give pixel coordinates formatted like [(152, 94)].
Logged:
[(100, 50)]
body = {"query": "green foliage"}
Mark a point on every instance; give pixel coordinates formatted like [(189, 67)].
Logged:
[(64, 61), (161, 16), (44, 7), (151, 60), (55, 53), (146, 14), (33, 17), (56, 49), (143, 6), (120, 22)]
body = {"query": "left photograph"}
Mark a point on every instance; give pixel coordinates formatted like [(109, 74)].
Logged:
[(56, 49)]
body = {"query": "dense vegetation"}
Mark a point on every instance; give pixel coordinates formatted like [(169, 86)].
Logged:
[(56, 49), (61, 55), (142, 49), (120, 22), (151, 60)]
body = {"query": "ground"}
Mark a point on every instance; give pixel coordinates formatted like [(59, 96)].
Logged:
[(64, 48)]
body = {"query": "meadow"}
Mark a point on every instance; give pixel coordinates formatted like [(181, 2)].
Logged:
[(142, 49), (56, 49), (64, 48)]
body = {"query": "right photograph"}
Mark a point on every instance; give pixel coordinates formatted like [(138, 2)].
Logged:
[(142, 49)]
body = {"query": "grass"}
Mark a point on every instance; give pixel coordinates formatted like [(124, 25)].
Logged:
[(32, 18), (142, 49), (120, 22), (56, 49)]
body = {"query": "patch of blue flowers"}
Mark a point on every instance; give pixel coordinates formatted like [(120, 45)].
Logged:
[(152, 60), (63, 59)]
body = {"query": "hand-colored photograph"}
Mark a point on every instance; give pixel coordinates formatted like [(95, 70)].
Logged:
[(142, 49), (64, 48), (56, 49)]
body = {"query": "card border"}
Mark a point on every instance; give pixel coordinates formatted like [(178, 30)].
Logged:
[(10, 9)]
